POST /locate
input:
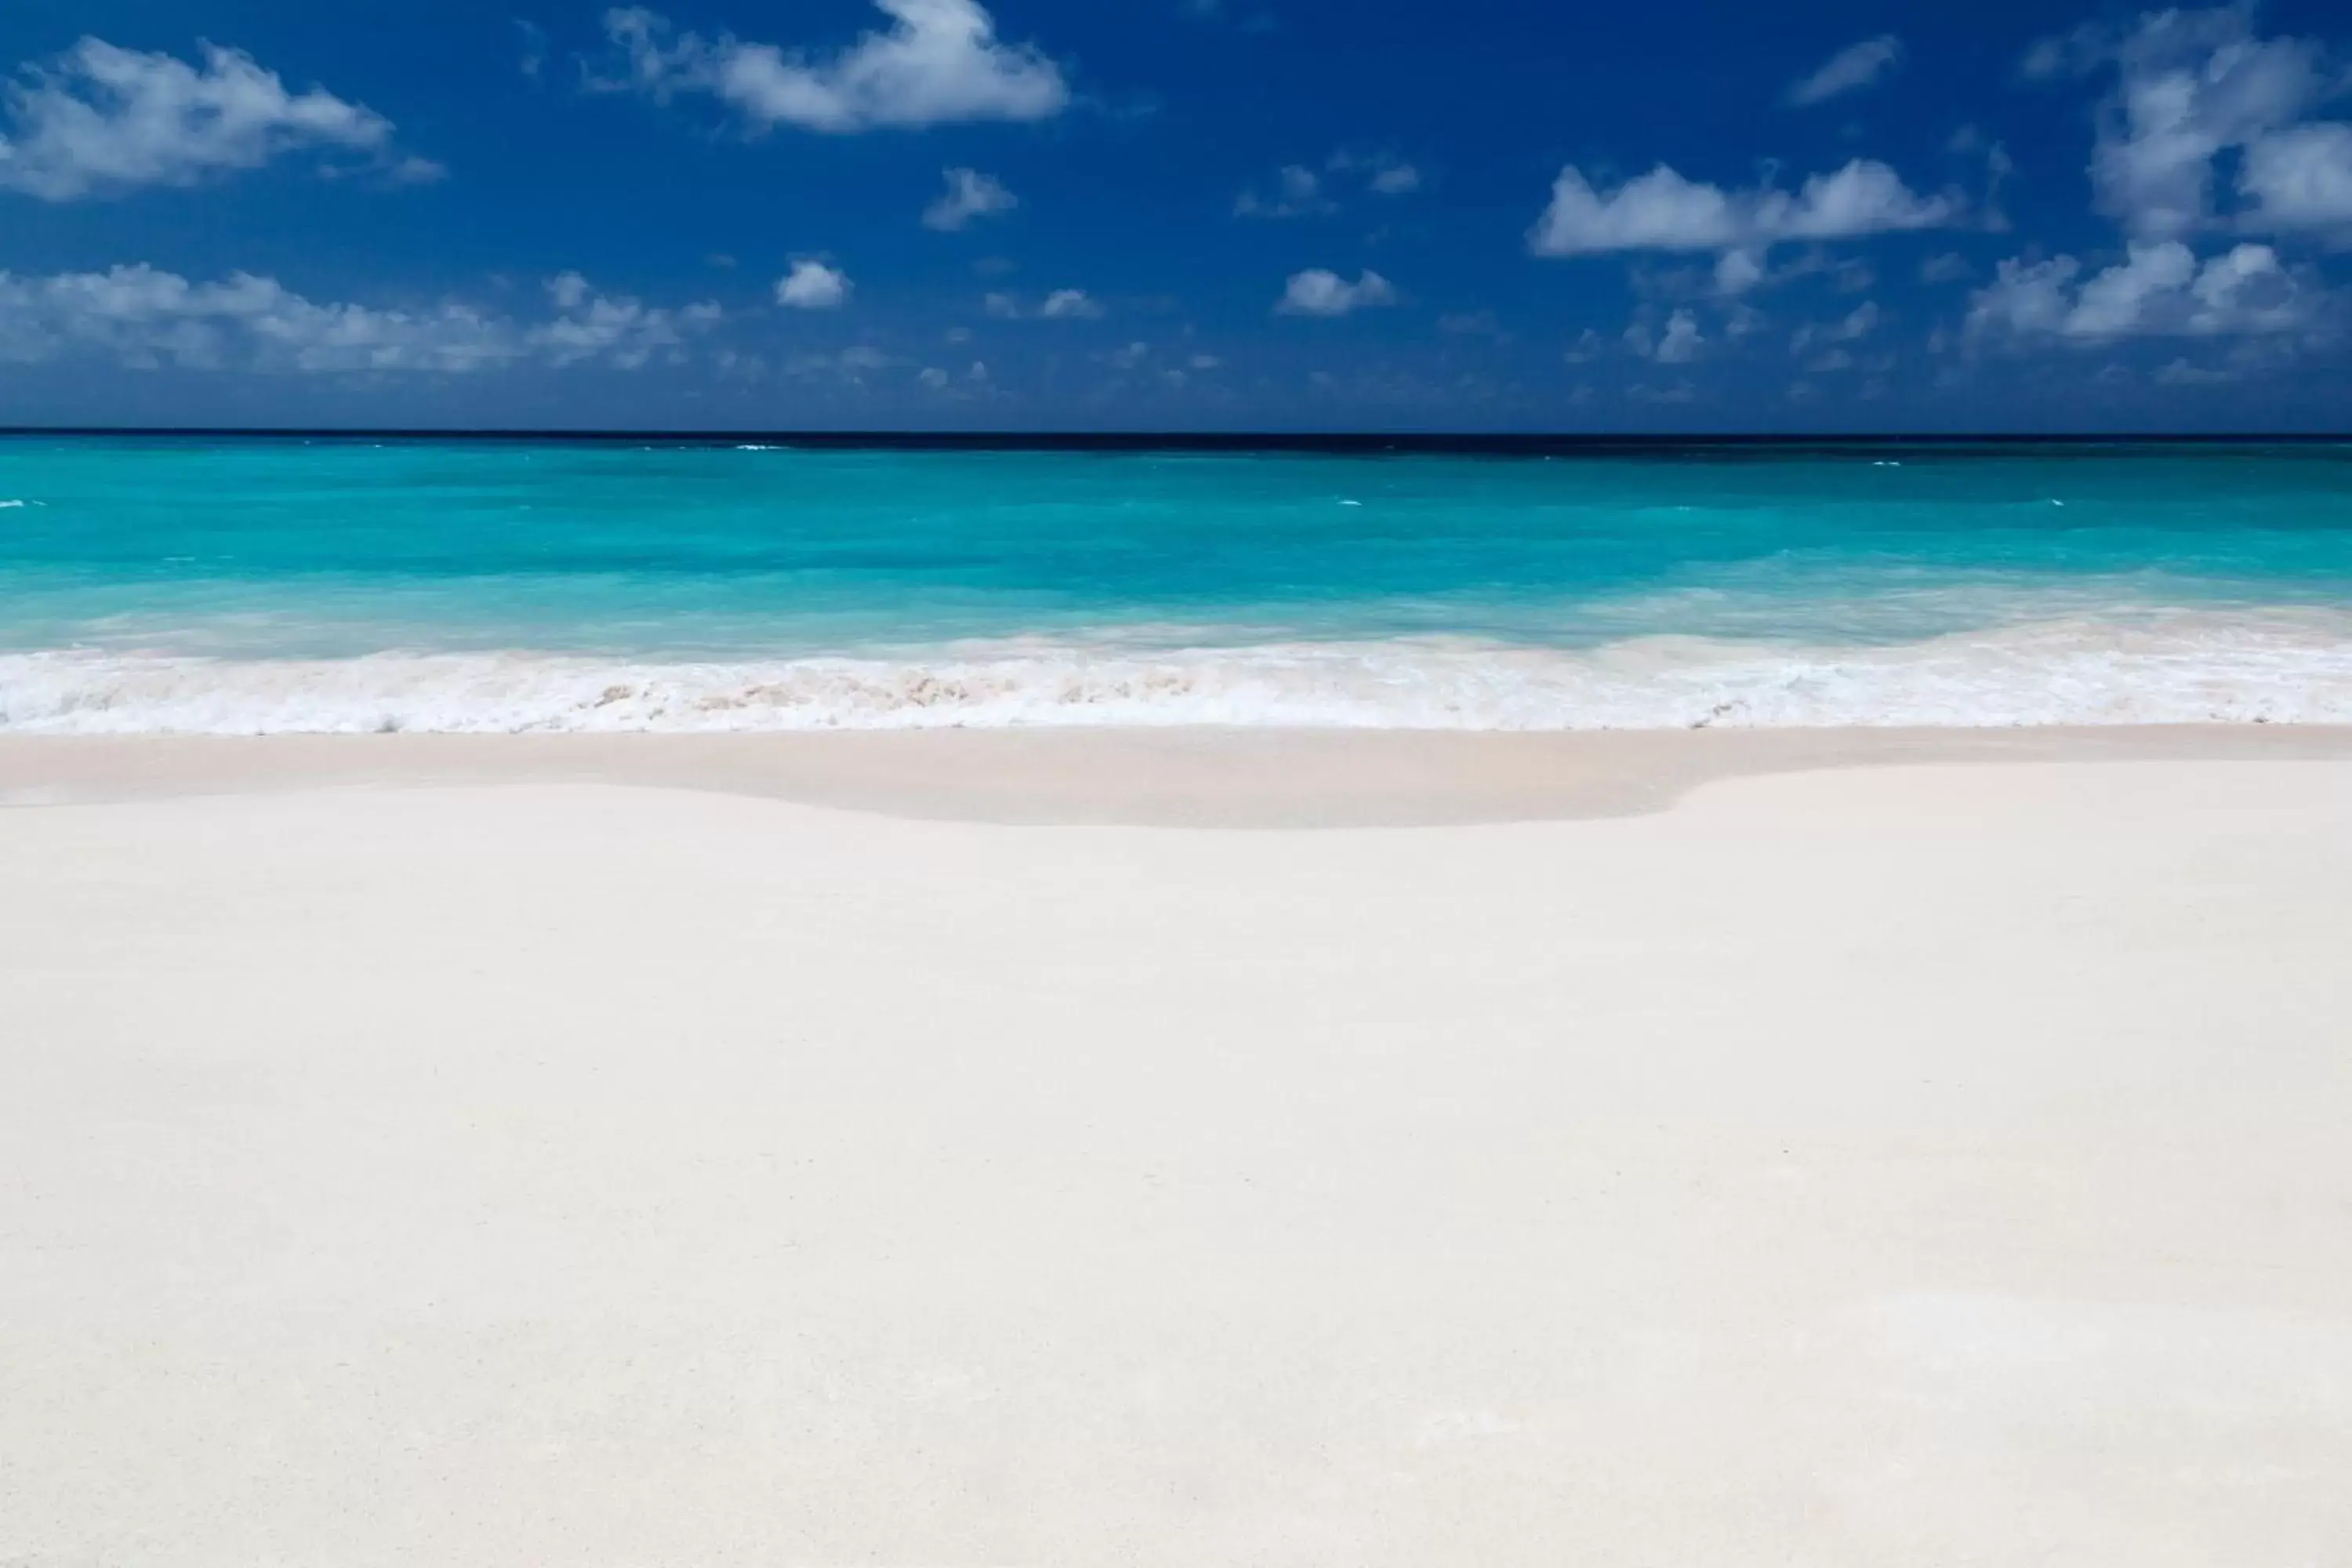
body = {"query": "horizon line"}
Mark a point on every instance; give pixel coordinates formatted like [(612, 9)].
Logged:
[(1204, 440)]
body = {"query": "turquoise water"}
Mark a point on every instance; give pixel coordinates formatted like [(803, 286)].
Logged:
[(257, 585)]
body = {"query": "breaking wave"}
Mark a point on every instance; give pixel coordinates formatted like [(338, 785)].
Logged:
[(2278, 666)]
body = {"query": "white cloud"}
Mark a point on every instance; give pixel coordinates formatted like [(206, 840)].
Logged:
[(810, 285), (615, 329), (1385, 175), (2159, 289), (100, 119), (2301, 180), (1061, 305), (969, 195), (146, 318), (850, 367), (2026, 298), (1070, 305), (1318, 292), (939, 62), (1663, 211), (1851, 68), (2112, 304), (974, 383), (568, 290), (534, 47), (2181, 372), (1859, 324), (1298, 193), (2190, 86), (1949, 268), (1681, 341), (1737, 271)]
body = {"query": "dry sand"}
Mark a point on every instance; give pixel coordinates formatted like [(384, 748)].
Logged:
[(519, 1163)]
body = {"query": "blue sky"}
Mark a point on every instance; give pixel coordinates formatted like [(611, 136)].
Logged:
[(1176, 214)]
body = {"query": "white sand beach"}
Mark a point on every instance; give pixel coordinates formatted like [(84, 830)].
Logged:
[(1565, 1153)]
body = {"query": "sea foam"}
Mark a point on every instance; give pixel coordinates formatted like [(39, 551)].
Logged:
[(2278, 666)]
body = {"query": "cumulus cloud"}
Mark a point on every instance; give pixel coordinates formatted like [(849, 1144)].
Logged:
[(973, 383), (613, 328), (1061, 305), (969, 195), (1318, 292), (1679, 345), (852, 367), (1663, 211), (810, 285), (2190, 88), (1298, 193), (1739, 271), (1070, 305), (2301, 180), (939, 62), (1851, 69), (100, 120), (2159, 289), (1384, 175), (146, 318), (1856, 325)]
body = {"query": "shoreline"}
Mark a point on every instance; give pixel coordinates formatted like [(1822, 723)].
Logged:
[(1177, 777)]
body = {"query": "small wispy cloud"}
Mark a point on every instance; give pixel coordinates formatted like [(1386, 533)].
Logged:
[(1851, 69), (1061, 305), (969, 195), (1298, 192), (145, 317)]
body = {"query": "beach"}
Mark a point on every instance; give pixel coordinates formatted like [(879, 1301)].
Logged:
[(1010, 1148)]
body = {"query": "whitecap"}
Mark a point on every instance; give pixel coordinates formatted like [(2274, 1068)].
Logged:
[(2243, 666)]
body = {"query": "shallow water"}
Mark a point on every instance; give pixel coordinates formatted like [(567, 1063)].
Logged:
[(253, 586)]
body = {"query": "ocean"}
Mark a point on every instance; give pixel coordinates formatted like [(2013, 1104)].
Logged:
[(264, 585)]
